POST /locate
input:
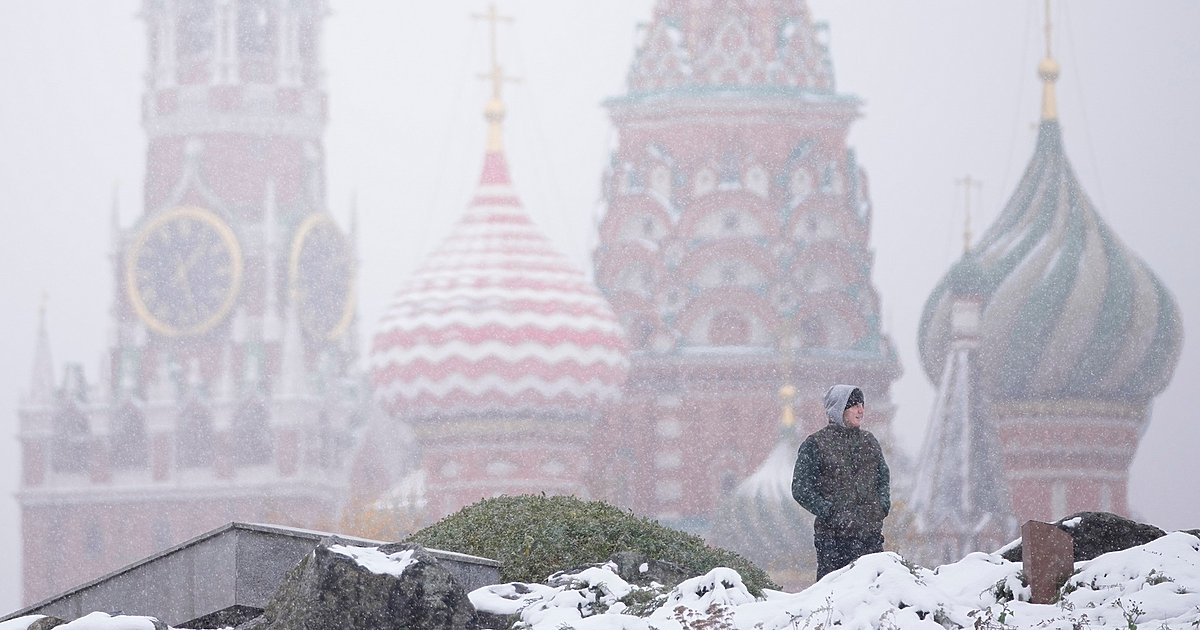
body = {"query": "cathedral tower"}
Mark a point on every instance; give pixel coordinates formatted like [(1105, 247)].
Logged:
[(1075, 337), (735, 250), (226, 387)]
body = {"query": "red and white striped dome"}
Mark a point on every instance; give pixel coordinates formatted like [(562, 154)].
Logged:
[(497, 321)]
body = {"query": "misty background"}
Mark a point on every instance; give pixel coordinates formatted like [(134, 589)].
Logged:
[(949, 90)]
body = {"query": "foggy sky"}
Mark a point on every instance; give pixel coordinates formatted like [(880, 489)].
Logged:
[(949, 89)]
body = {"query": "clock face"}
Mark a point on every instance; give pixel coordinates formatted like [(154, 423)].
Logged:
[(183, 271), (322, 278)]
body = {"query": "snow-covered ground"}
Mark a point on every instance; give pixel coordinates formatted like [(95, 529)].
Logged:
[(93, 621), (1152, 586)]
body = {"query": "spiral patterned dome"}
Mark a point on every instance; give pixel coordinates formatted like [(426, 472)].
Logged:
[(761, 521), (497, 321), (1069, 312)]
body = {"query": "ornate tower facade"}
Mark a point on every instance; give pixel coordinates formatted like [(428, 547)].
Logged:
[(497, 351), (735, 251), (1076, 336), (226, 392)]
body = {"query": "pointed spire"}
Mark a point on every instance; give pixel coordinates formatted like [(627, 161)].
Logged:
[(1048, 72), (41, 390), (959, 484)]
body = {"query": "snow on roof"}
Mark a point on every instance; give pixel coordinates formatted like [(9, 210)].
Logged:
[(1151, 586)]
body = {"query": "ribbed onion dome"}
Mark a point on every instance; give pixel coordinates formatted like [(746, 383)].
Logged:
[(760, 519), (1069, 312), (497, 321)]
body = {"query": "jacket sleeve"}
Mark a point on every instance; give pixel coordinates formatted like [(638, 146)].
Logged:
[(804, 481), (883, 477)]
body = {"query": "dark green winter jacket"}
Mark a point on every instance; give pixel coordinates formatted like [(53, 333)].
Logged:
[(842, 478)]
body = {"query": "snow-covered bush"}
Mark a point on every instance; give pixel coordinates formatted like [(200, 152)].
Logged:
[(536, 536)]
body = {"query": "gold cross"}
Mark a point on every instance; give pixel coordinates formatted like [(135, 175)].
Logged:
[(496, 73), (1048, 28)]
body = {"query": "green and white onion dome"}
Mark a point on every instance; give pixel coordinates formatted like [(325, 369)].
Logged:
[(1069, 312)]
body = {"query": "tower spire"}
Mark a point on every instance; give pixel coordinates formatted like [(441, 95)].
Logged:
[(787, 400), (1048, 72), (41, 390), (494, 111)]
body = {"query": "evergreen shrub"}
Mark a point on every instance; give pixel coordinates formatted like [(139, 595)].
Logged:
[(537, 536)]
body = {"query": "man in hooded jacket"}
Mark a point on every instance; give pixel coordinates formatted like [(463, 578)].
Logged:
[(842, 478)]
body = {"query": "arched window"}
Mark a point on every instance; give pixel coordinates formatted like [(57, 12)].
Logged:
[(251, 441), (194, 437), (128, 445), (729, 328)]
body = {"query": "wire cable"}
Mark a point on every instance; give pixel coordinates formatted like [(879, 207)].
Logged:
[(1079, 91), (1020, 108)]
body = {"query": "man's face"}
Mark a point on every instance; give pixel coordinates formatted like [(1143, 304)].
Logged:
[(852, 416)]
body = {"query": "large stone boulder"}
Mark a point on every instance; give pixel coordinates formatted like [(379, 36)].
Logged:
[(1097, 533), (378, 588), (638, 568)]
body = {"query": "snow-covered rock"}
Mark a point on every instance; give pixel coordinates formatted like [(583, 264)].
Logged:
[(391, 586)]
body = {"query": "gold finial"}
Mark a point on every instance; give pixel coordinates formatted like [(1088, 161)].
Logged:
[(787, 396), (494, 110), (968, 182), (1048, 72)]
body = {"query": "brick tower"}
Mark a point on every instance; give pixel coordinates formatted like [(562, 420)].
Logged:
[(735, 251), (226, 390)]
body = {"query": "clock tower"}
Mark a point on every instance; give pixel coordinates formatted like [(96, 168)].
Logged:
[(227, 390)]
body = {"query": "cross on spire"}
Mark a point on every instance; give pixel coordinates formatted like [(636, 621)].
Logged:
[(1049, 28), (494, 110), (1048, 72)]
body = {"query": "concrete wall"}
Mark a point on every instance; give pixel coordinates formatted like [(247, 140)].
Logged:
[(236, 567)]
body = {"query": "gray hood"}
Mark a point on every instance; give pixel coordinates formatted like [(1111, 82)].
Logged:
[(835, 402)]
